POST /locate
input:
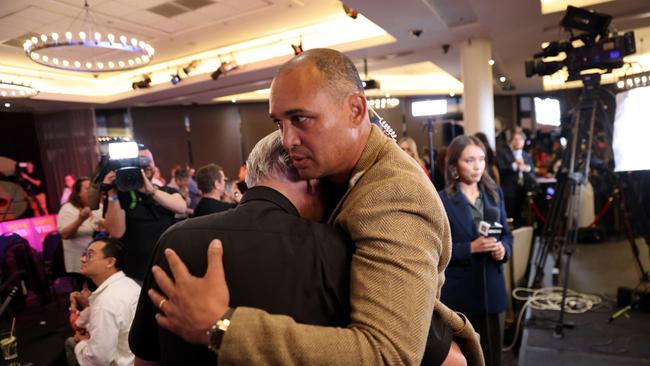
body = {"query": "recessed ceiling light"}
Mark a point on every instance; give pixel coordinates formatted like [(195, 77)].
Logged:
[(491, 62), (452, 94), (502, 79), (7, 105)]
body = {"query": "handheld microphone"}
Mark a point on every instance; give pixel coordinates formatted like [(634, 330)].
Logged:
[(490, 226)]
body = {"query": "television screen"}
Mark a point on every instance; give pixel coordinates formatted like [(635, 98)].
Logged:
[(547, 111), (632, 130)]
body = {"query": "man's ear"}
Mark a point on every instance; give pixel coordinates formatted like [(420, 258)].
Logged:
[(358, 108), (111, 262)]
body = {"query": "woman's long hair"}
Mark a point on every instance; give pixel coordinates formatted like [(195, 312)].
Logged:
[(455, 149), (75, 199)]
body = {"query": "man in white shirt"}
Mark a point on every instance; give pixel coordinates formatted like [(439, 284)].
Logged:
[(112, 307)]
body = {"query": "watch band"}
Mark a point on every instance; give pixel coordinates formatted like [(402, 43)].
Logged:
[(218, 330)]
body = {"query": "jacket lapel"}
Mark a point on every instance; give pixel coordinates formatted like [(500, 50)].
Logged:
[(463, 214)]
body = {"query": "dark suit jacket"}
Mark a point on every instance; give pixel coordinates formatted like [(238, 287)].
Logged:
[(464, 290), (508, 176)]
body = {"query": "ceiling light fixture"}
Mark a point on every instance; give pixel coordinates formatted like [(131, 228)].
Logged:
[(142, 84), (10, 89), (176, 78), (502, 79), (383, 103), (491, 62), (225, 68), (632, 81), (351, 12), (297, 48), (88, 50)]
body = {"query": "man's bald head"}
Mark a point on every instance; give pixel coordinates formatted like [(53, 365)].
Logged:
[(340, 76)]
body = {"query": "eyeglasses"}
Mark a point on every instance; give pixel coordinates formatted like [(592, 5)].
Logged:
[(89, 255)]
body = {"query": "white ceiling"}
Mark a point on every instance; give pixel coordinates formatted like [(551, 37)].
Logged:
[(516, 28)]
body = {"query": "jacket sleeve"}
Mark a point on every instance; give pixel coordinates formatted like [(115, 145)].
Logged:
[(394, 281), (504, 162), (460, 248), (506, 237)]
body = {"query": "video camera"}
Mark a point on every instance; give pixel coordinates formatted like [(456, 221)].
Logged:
[(122, 157), (599, 49)]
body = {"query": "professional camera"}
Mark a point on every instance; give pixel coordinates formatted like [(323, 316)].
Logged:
[(124, 160), (599, 49)]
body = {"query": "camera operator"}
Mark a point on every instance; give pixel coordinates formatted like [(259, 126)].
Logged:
[(139, 217)]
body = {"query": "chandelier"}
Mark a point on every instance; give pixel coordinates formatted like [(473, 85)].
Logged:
[(383, 103), (88, 50), (10, 89)]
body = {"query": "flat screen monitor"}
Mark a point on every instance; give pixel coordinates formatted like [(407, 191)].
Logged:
[(434, 107), (547, 111), (631, 140)]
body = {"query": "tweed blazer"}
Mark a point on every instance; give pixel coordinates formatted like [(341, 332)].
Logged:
[(403, 245)]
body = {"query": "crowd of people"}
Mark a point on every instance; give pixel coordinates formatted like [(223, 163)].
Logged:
[(338, 249)]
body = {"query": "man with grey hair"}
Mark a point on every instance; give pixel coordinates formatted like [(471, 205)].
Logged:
[(277, 259)]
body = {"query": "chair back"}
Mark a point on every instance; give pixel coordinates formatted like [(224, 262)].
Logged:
[(53, 262), (522, 241)]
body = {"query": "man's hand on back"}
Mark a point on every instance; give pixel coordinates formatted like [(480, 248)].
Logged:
[(191, 305)]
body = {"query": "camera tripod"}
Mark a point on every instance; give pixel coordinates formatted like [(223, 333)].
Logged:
[(560, 231)]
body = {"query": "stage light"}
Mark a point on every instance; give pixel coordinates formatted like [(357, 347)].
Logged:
[(297, 48), (190, 67), (371, 84), (225, 68), (351, 12), (142, 84), (176, 78)]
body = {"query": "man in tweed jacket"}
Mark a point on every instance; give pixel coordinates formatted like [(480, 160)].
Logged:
[(388, 207)]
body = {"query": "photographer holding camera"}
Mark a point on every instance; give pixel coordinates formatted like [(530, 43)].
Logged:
[(138, 211)]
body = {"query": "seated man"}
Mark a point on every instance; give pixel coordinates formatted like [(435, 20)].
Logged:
[(112, 307), (212, 183), (276, 259)]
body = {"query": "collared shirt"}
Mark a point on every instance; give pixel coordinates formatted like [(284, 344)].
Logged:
[(209, 205), (273, 260), (477, 209), (112, 307)]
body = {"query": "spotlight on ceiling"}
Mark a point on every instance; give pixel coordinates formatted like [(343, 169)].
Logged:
[(225, 68), (351, 12), (176, 78), (371, 84), (142, 84), (297, 48), (190, 67)]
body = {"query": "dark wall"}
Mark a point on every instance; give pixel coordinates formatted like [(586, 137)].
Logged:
[(216, 138), (162, 130), (255, 124), (68, 146), (505, 108), (18, 138)]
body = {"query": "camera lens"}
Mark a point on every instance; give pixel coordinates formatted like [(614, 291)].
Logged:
[(129, 179)]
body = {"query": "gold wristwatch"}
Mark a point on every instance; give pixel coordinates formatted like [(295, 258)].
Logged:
[(218, 330)]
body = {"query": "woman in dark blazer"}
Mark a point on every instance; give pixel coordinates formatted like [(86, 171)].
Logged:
[(474, 282)]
